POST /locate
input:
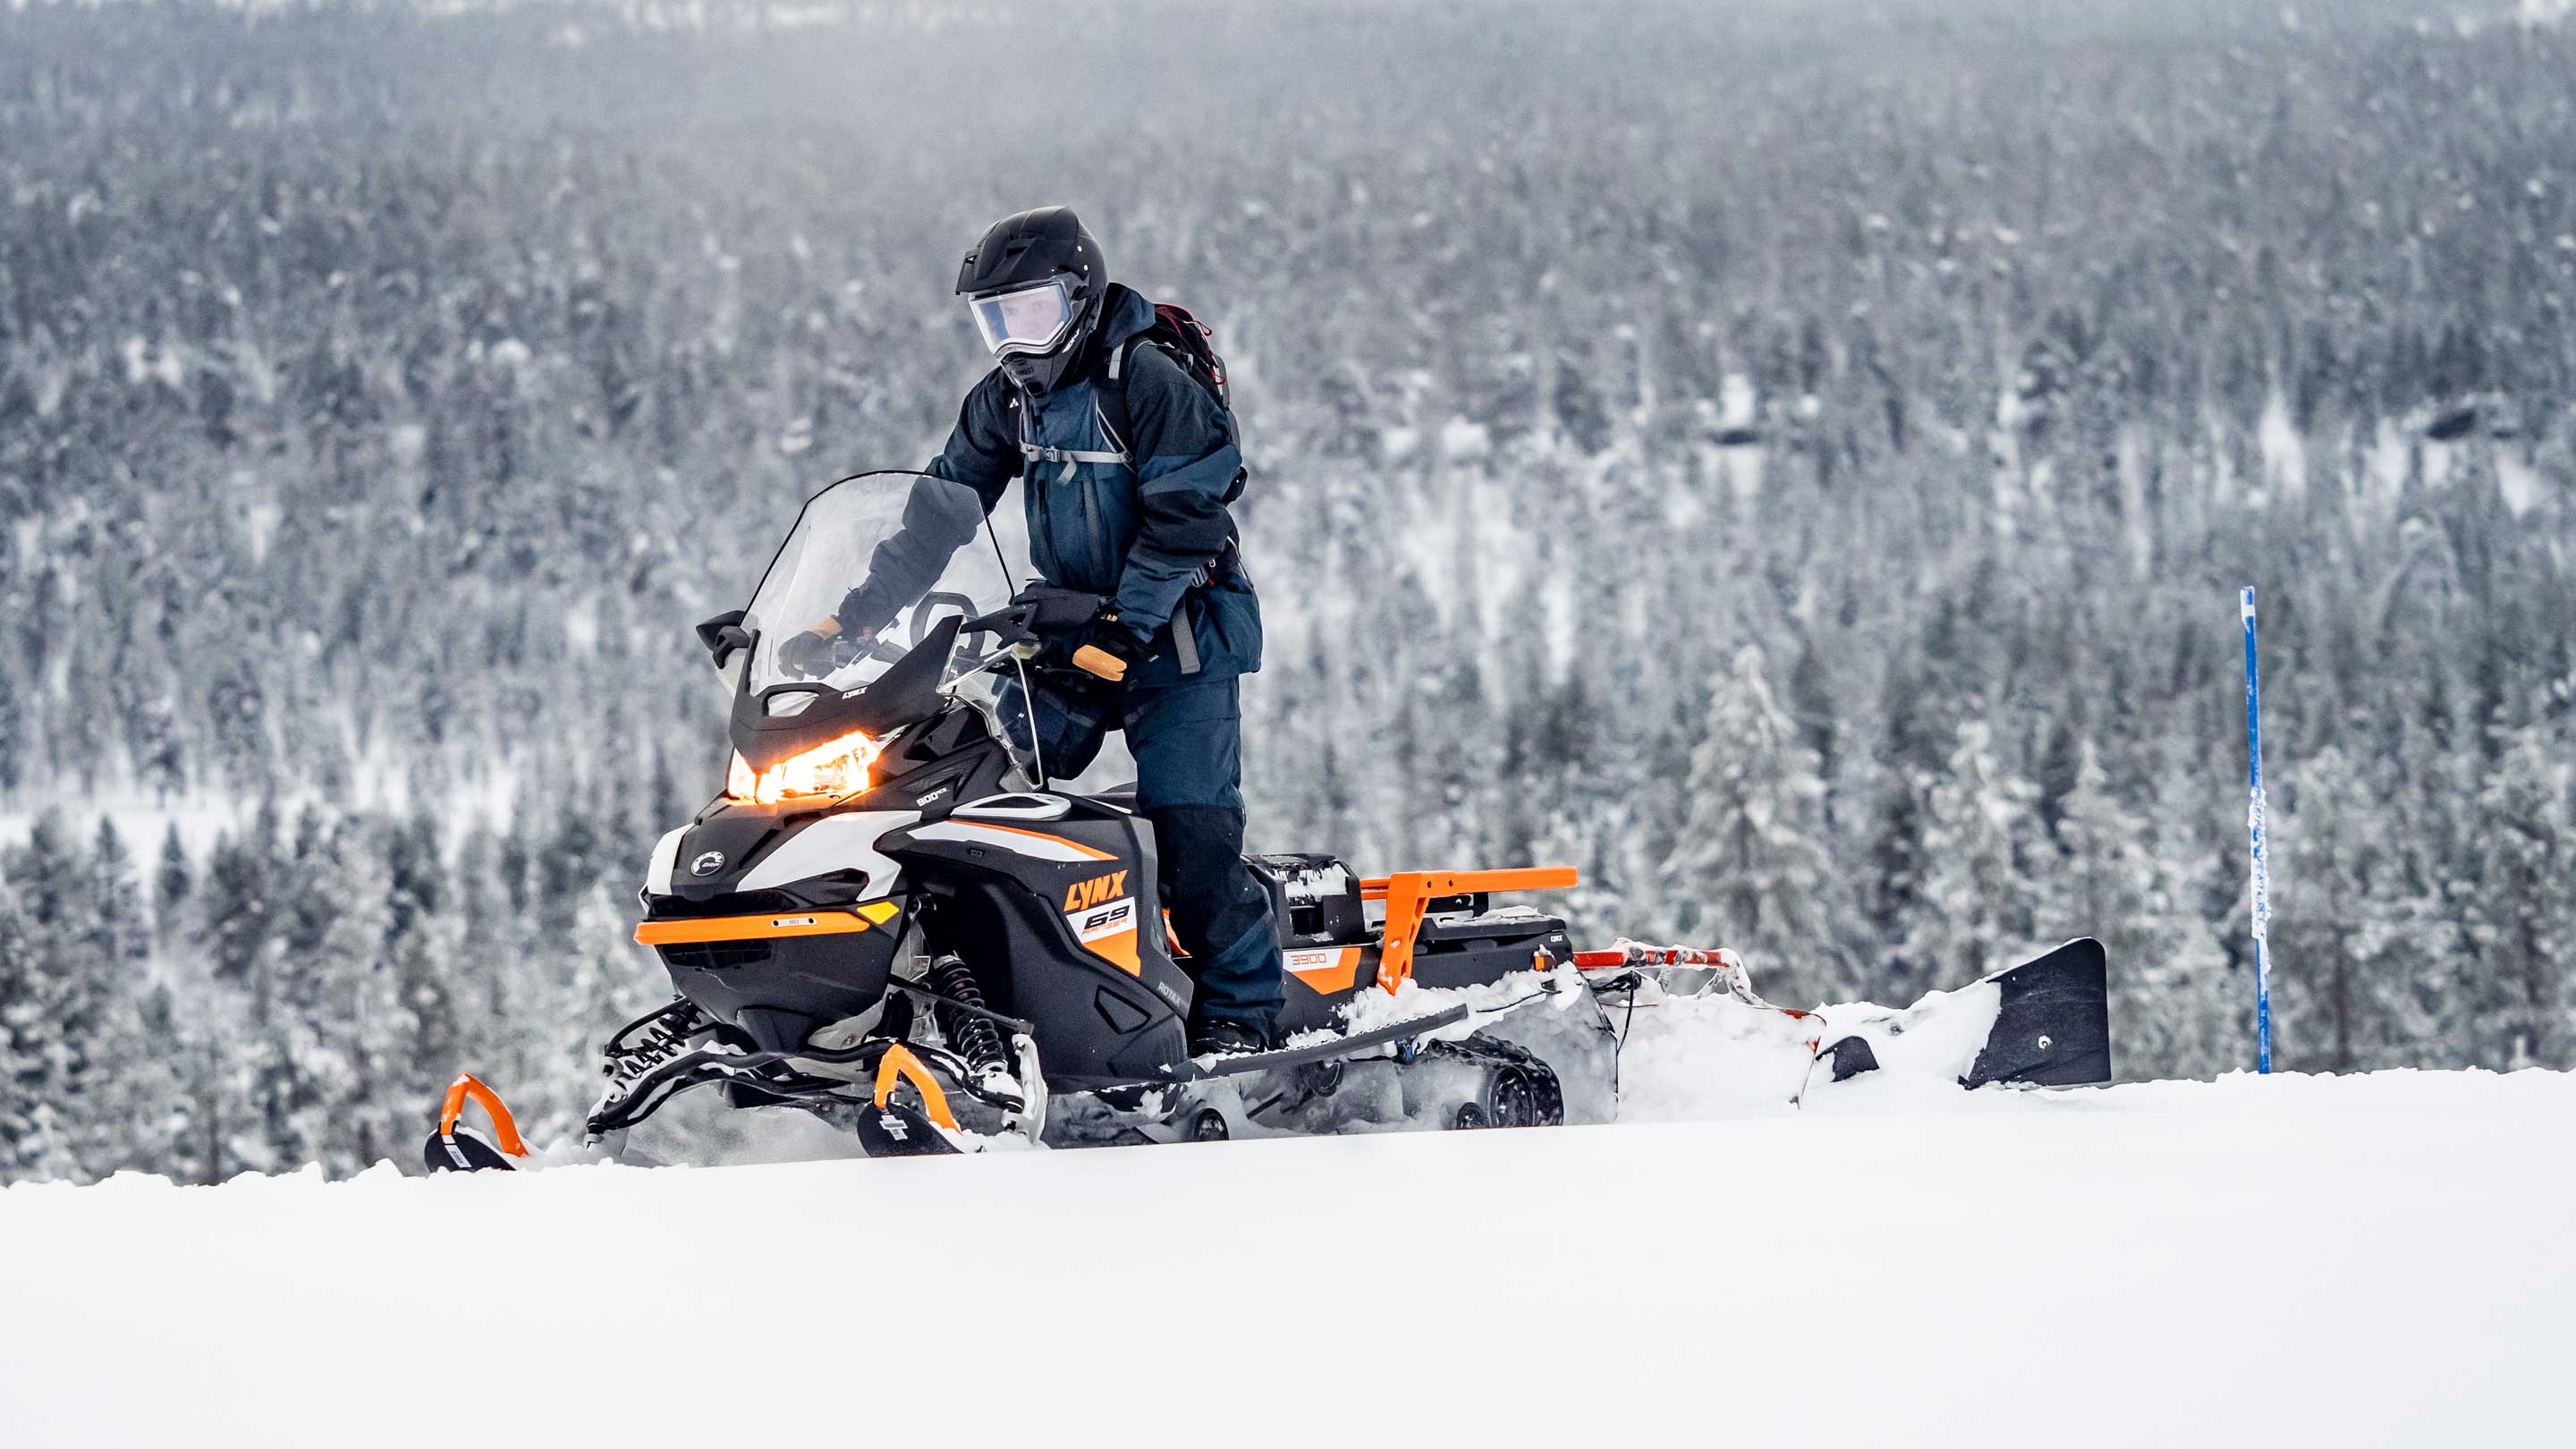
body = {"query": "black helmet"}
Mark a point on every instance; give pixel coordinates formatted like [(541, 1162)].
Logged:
[(1034, 285)]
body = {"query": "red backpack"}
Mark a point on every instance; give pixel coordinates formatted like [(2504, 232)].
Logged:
[(1188, 342)]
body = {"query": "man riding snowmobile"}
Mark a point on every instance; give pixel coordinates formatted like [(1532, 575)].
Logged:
[(1129, 464)]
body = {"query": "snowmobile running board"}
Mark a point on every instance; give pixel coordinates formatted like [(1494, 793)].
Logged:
[(1340, 1046)]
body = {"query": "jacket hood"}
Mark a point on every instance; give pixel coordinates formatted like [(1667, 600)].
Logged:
[(1124, 313)]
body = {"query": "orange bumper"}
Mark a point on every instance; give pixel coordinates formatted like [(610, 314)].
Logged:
[(766, 926)]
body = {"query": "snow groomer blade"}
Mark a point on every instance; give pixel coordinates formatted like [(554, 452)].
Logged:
[(2054, 1028)]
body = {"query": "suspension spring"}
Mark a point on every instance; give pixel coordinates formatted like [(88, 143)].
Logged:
[(649, 1041), (973, 1037)]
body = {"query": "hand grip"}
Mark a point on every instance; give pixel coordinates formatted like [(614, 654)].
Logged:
[(1092, 659)]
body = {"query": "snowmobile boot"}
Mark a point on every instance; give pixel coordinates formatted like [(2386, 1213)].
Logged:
[(1225, 1038)]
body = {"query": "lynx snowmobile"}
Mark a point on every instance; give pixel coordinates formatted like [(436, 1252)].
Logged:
[(893, 917)]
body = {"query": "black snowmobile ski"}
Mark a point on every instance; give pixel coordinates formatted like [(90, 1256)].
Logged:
[(898, 1130)]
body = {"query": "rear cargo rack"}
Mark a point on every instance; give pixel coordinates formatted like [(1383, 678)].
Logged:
[(1408, 896)]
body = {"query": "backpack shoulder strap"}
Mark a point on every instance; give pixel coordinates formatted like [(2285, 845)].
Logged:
[(1070, 457), (1111, 390), (1116, 364)]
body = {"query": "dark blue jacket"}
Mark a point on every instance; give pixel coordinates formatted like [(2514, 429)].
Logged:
[(1140, 530)]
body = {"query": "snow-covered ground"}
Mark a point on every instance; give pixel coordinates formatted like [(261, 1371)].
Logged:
[(2377, 1260)]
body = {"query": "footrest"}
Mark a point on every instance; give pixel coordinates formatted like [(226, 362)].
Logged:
[(1340, 1046)]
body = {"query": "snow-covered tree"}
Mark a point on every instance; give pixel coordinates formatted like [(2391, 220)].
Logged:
[(1751, 868), (2347, 991), (1975, 911), (2522, 918), (173, 880), (71, 1013), (2135, 886), (118, 927), (305, 526), (30, 1144)]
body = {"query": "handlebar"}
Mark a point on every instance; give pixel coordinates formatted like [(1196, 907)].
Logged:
[(1040, 609), (1016, 628)]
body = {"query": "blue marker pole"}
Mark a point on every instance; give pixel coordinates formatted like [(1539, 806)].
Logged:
[(2254, 822)]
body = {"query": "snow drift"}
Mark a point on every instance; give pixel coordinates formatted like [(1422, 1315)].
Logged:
[(2374, 1260)]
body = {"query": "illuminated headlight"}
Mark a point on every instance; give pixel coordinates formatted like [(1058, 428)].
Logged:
[(837, 768)]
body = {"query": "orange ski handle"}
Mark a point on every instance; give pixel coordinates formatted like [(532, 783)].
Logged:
[(1092, 659), (505, 1128), (900, 1065)]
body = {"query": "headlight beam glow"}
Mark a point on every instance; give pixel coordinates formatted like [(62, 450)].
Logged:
[(835, 768)]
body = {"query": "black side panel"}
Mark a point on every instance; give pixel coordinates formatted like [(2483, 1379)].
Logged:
[(936, 788), (1017, 909), (1095, 1022), (1320, 982), (2055, 1026)]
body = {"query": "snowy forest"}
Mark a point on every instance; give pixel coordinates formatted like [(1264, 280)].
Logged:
[(1794, 463)]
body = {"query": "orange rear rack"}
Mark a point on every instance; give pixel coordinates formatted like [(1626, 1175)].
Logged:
[(1408, 896)]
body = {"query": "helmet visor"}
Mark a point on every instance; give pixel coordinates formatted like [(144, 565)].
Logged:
[(1025, 319)]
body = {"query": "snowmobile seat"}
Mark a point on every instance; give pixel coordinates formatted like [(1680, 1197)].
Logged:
[(1116, 797)]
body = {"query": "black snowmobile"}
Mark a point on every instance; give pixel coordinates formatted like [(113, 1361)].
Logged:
[(893, 918)]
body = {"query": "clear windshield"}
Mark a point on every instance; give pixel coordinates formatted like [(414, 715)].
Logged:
[(900, 551)]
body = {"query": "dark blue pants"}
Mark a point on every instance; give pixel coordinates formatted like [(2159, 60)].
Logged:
[(1188, 742)]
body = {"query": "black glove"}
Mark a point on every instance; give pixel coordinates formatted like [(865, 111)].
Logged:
[(831, 645), (862, 616), (1103, 647), (813, 655)]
